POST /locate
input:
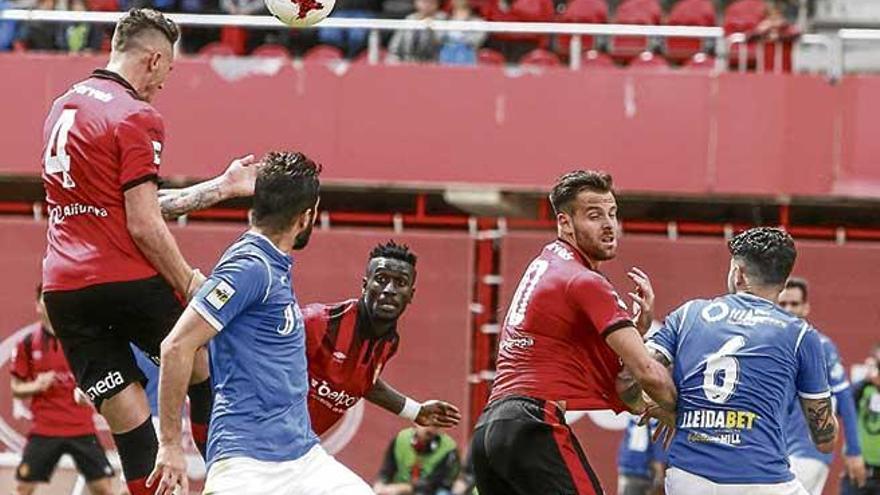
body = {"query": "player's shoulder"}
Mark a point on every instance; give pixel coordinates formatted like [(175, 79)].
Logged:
[(328, 311)]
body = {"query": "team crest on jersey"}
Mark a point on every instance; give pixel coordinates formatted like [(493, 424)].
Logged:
[(220, 295), (620, 302)]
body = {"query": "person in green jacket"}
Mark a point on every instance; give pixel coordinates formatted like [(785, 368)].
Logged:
[(867, 397), (419, 461)]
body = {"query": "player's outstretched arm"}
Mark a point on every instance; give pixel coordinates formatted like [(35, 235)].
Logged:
[(652, 376), (429, 413), (822, 422), (237, 181), (178, 355)]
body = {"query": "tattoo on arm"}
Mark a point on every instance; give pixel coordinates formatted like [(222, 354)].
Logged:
[(820, 417), (177, 202)]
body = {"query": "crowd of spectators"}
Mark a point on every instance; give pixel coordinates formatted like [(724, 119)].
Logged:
[(760, 17)]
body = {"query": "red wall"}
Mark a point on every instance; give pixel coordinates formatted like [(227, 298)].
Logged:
[(434, 332), (842, 294), (680, 132)]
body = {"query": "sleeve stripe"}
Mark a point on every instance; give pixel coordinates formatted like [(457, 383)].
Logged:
[(684, 315), (616, 326), (140, 180), (662, 350), (840, 387), (821, 395), (804, 329), (269, 273), (204, 313)]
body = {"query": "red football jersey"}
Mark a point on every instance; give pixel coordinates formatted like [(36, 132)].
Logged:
[(99, 140), (55, 412), (344, 360), (553, 342)]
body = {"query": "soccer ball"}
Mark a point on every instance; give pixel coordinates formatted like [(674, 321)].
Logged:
[(300, 13)]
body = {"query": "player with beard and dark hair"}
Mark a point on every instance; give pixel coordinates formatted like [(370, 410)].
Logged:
[(350, 342), (260, 440), (562, 344)]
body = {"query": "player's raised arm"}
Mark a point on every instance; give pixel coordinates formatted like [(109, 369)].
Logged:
[(236, 181), (428, 413)]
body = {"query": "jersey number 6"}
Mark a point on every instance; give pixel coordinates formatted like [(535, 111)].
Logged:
[(56, 159), (724, 362)]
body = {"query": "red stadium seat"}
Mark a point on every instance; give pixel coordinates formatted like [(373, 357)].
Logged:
[(323, 53), (522, 11), (700, 62), (646, 12), (585, 11), (597, 60), (271, 50), (102, 5), (488, 56), (650, 61), (688, 13), (743, 16), (215, 49), (540, 58), (235, 37)]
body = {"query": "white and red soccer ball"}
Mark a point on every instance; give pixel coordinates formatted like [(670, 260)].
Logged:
[(300, 13)]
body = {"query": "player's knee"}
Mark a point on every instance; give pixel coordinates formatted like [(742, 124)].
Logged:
[(103, 486), (25, 488), (127, 409)]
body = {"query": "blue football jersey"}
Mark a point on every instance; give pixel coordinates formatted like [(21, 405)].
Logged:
[(258, 359), (737, 362), (637, 451), (797, 432)]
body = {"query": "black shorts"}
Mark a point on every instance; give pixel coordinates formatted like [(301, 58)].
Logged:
[(41, 455), (96, 324), (522, 446)]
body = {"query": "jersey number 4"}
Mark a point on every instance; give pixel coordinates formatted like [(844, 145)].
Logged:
[(722, 367), (56, 159)]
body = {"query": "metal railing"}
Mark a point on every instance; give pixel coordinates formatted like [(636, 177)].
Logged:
[(833, 44)]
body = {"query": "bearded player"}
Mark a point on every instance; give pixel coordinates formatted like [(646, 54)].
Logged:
[(349, 343), (561, 347)]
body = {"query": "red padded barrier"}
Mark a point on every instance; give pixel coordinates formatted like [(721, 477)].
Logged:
[(675, 132)]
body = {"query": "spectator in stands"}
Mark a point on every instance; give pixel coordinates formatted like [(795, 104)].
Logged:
[(867, 397), (77, 37), (460, 47), (38, 35), (419, 45), (8, 29), (466, 483), (350, 41), (641, 462), (419, 461), (62, 415)]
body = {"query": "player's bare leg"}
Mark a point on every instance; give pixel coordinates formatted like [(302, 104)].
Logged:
[(103, 486), (25, 488)]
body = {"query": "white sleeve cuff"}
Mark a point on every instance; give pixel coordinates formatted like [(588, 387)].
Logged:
[(840, 387), (662, 350), (204, 313), (821, 395)]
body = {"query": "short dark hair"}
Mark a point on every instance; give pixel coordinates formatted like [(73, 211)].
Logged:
[(395, 251), (798, 283), (286, 186), (767, 252), (568, 186), (138, 21)]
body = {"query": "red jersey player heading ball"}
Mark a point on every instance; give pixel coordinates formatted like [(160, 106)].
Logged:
[(561, 346), (349, 343)]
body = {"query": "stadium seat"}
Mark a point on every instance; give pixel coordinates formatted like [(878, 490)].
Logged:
[(648, 12), (488, 56), (594, 59), (235, 37), (522, 11), (102, 5), (688, 13), (540, 58), (323, 53), (743, 16), (585, 11), (650, 61), (215, 49), (700, 62), (271, 50)]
